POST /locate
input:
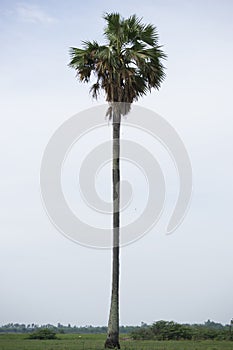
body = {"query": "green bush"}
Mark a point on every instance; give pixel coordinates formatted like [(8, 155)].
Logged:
[(43, 333)]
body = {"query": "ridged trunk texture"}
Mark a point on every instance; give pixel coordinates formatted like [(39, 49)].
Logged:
[(112, 341)]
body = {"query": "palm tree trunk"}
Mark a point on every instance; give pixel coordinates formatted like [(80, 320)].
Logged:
[(112, 341)]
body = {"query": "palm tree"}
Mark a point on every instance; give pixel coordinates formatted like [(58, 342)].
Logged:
[(127, 67)]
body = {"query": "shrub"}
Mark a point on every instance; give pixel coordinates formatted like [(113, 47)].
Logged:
[(43, 333), (144, 333)]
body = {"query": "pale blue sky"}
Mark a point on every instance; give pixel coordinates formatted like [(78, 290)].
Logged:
[(184, 277)]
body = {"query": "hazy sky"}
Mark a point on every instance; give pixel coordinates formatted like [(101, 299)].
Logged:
[(186, 276)]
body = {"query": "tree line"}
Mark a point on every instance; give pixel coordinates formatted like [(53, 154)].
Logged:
[(160, 330), (170, 330), (60, 328)]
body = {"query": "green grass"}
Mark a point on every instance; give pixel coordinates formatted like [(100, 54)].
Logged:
[(96, 341)]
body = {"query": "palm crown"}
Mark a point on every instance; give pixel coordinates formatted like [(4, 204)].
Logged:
[(128, 66)]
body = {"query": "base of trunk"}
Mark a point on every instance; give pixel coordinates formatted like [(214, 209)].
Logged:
[(112, 343)]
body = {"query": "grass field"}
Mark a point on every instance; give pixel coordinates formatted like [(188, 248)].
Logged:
[(96, 341)]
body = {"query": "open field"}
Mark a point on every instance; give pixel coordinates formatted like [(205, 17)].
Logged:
[(96, 341)]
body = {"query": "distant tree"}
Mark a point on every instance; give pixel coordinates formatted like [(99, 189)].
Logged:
[(143, 324), (214, 325)]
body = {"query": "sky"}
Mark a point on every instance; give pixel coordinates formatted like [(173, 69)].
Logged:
[(185, 276)]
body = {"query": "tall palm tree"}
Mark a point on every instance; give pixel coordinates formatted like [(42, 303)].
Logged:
[(127, 67)]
